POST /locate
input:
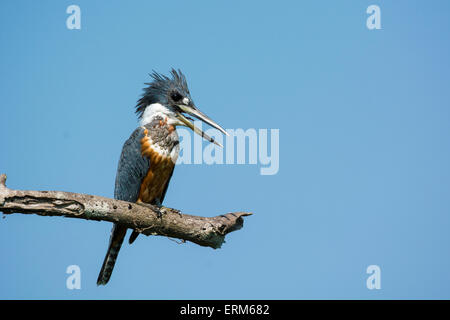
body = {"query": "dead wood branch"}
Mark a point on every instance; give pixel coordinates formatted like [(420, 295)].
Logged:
[(147, 219)]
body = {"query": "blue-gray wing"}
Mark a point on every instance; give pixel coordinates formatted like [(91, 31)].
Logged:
[(132, 168)]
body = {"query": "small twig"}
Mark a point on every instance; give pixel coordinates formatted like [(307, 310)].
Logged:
[(177, 241)]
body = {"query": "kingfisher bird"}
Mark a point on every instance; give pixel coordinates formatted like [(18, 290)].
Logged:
[(148, 157)]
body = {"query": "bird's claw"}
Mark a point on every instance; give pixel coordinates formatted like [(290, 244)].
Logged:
[(156, 208), (159, 212)]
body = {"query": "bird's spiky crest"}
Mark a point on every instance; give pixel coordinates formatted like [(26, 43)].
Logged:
[(157, 90)]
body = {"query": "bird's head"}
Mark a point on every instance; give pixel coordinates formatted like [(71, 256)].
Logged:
[(170, 97)]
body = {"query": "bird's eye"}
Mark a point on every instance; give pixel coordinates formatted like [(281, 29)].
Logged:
[(176, 96)]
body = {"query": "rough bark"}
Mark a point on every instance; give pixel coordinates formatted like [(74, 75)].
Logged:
[(147, 219)]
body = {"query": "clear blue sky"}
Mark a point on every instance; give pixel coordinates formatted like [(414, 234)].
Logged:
[(364, 145)]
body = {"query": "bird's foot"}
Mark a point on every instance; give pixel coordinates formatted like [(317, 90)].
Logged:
[(155, 208), (159, 213)]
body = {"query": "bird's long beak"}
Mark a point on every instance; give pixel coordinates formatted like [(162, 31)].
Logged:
[(193, 111)]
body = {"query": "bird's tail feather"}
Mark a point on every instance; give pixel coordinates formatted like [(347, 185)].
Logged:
[(117, 235)]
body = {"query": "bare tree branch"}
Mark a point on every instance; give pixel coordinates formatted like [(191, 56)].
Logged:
[(147, 219)]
